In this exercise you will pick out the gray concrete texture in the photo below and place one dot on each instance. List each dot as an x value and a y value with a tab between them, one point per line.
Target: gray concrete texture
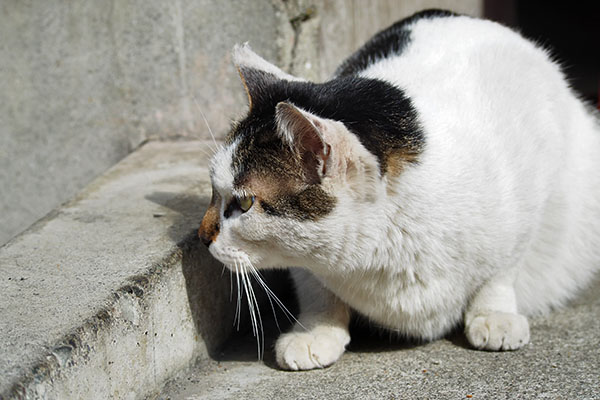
562	362
111	294
85	83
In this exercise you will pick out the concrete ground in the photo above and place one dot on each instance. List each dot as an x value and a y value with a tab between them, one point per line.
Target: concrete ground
112	294
562	362
113	297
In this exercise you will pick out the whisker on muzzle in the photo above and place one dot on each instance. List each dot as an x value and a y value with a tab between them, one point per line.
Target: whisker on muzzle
244	271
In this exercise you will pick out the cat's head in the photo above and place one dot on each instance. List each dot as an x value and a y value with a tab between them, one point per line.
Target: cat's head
283	176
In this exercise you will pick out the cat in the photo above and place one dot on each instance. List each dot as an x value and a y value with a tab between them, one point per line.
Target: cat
446	175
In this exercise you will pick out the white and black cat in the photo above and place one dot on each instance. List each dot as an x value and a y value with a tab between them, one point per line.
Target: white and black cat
446	173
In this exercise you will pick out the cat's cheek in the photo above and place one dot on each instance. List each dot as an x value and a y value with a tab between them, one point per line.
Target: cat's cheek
230	247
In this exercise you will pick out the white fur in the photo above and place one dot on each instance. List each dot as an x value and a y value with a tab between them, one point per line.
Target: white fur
499	219
243	56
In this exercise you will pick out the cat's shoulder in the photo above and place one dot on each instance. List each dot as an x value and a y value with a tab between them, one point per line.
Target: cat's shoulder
390	41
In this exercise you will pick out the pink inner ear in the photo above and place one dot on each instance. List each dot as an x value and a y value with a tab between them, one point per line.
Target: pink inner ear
309	138
306	138
304	131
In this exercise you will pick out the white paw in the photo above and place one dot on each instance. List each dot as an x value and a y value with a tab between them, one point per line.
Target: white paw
317	348
498	331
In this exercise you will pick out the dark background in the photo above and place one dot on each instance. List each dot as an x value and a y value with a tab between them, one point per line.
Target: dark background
571	31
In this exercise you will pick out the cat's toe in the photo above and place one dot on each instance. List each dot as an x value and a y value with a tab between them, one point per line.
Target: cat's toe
309	350
498	331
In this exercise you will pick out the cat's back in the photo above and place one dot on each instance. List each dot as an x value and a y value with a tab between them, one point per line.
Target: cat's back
450	52
510	152
437	41
477	84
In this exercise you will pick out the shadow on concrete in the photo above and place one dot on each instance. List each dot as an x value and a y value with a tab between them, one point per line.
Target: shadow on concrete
242	345
367	337
212	289
184	213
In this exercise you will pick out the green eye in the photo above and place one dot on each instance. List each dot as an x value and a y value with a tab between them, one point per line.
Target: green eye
245	202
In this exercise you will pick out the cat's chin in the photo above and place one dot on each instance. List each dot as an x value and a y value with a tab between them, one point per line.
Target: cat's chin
229	256
235	259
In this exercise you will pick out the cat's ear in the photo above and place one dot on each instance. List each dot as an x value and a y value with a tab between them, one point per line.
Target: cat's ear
302	132
257	73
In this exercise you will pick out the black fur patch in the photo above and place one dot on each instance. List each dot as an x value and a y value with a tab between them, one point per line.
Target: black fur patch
379	114
392	40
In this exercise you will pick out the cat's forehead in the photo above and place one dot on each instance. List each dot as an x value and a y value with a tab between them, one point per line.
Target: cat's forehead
249	166
221	168
240	165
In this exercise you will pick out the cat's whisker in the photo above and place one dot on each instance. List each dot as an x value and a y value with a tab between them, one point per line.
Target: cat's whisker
249	303
239	298
255	317
230	285
271	295
257	278
207	125
261	339
206	153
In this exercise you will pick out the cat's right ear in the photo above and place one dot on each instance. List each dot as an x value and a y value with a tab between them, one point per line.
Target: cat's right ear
302	132
257	74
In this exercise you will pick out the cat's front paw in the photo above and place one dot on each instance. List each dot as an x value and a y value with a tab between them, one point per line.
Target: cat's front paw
498	331
317	348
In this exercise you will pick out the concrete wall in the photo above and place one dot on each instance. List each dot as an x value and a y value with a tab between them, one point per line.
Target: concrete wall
84	83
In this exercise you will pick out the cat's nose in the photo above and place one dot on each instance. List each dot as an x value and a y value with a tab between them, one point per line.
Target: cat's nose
206	239
209	227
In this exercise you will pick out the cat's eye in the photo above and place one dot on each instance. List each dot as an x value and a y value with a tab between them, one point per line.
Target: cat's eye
245	202
238	204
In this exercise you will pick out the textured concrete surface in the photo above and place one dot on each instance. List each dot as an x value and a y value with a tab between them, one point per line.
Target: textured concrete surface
112	293
345	25
83	84
562	362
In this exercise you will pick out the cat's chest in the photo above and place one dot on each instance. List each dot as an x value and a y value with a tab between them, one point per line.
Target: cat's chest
399	298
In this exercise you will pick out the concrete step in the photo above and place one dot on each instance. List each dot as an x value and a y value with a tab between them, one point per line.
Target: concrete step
562	362
112	294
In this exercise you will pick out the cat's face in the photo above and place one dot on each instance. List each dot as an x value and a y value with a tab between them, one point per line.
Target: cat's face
268	179
270	196
281	178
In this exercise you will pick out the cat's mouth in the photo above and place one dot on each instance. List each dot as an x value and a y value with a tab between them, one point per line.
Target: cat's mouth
233	258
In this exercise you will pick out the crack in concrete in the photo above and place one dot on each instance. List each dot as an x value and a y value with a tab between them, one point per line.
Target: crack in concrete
296	18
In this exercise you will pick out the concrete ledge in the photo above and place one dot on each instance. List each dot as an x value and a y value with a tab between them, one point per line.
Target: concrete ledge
111	294
562	362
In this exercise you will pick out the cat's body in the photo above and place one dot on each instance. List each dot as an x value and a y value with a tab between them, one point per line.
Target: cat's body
446	174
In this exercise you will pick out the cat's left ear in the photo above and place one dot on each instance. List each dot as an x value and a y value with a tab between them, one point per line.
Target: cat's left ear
302	131
257	73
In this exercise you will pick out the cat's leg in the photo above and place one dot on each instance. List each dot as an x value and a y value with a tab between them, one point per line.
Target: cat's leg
492	321
321	336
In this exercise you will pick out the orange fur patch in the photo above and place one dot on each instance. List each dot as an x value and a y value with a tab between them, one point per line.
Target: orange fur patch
397	160
209	228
